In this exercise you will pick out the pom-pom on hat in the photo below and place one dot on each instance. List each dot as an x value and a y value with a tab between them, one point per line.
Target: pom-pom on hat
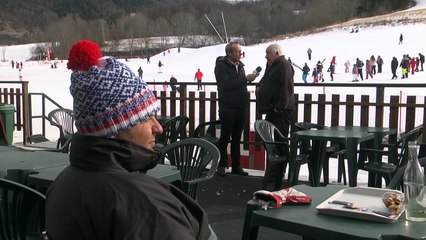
83	55
109	98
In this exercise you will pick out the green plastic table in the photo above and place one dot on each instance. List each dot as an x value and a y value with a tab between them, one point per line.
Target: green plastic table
304	220
351	138
379	134
17	159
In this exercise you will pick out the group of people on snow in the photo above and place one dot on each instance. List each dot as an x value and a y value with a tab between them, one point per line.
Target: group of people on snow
371	66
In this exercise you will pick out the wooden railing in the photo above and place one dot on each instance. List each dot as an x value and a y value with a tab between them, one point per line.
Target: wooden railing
378	109
16	93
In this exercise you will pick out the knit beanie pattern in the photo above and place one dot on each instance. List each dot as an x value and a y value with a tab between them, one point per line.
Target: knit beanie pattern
110	99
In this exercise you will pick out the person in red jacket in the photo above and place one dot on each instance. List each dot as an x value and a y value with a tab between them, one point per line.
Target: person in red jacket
413	64
199	76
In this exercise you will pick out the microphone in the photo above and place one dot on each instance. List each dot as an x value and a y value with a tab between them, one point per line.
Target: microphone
257	71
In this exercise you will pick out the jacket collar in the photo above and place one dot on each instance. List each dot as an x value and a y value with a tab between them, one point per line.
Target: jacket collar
100	153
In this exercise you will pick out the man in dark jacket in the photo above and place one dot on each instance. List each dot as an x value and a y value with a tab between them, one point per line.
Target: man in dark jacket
105	193
233	100
394	66
359	65
275	96
422	60
275	91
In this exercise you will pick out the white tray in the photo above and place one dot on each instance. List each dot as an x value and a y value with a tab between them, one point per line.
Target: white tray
364	197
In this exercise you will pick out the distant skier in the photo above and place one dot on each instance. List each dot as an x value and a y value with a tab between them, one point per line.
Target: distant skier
347	65
405	64
394	66
305	70
140	72
379	64
422	60
332	67
173	84
401	38
373	62
199	77
368	68
309	53
413	64
160	67
359	65
315	75
355	73
319	71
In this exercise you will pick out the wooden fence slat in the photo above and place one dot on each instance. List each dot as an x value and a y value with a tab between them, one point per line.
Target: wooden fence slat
335	107
410	113
380	99
365	108
321	109
307	108
350	106
192	112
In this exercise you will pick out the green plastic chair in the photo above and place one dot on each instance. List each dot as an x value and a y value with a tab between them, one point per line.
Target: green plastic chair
22	212
276	161
63	119
173	130
397	180
209	131
191	156
397	157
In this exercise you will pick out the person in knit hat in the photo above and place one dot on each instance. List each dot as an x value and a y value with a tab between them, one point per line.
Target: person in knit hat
105	193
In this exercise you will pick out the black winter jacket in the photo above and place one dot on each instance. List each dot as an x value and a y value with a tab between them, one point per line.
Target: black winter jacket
231	85
276	88
105	194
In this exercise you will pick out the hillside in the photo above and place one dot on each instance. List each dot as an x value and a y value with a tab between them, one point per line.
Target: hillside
28	21
20	19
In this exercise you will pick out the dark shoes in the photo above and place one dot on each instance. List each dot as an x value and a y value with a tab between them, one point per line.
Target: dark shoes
239	171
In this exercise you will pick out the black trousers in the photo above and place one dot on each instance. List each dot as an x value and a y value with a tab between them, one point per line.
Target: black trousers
200	87
394	76
360	73
232	122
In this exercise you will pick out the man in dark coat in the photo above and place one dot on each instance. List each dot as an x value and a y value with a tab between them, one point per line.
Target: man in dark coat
359	65
275	91
405	63
173	84
422	60
379	64
140	72
394	66
319	71
309	53
275	96
233	101
105	193
305	71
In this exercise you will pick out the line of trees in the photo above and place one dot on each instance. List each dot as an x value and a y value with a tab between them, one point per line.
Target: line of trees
252	20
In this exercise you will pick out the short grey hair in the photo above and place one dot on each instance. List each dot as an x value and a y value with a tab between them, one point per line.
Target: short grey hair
276	48
230	47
